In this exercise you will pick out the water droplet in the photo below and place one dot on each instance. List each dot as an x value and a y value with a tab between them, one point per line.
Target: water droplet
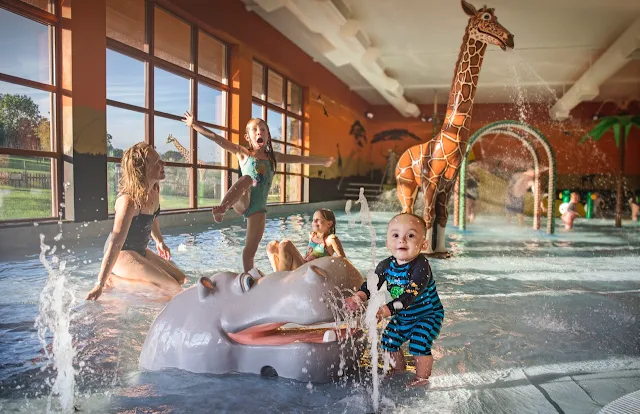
304	370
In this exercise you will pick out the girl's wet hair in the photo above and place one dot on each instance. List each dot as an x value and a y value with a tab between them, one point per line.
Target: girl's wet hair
133	180
269	151
329	216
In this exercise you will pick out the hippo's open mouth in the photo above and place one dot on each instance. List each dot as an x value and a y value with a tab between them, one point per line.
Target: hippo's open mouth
283	334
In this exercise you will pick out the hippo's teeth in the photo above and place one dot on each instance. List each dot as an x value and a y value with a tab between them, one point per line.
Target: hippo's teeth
329	336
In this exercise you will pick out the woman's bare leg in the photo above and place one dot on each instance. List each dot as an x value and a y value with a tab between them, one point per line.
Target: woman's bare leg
133	266
273	252
238	198
167	266
255	230
290	257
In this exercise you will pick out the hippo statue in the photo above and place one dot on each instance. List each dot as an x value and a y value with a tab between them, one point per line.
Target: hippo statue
259	324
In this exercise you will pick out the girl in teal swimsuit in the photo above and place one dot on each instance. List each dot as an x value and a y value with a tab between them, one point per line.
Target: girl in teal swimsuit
248	196
322	242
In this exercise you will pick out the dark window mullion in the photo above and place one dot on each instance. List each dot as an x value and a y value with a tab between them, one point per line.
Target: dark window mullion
194	109
122	105
150	81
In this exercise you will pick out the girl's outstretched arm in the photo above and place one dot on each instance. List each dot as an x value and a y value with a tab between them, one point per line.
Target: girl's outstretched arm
303	159
334	242
224	143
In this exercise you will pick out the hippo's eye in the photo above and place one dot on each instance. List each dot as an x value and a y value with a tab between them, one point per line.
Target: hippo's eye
247	282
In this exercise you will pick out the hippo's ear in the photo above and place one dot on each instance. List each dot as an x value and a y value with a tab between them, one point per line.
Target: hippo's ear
314	274
205	288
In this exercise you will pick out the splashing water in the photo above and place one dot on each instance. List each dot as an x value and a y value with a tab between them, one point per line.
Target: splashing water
56	301
376	299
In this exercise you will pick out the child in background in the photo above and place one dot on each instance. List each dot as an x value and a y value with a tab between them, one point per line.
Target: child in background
571	213
635	208
323	242
248	196
415	309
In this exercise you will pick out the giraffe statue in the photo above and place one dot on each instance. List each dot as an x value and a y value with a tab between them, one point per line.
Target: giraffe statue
434	166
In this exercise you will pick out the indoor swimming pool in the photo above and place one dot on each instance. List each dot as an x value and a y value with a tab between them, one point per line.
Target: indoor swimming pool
534	323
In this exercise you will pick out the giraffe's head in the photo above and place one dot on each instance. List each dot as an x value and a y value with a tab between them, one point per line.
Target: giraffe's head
484	26
170	139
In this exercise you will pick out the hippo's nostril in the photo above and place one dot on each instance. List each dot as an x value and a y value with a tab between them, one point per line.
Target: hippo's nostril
268	371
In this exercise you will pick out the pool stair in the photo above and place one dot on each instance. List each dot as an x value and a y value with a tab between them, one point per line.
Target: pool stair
371	190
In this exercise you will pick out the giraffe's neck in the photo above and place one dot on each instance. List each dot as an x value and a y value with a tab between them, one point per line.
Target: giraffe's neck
457	124
182	150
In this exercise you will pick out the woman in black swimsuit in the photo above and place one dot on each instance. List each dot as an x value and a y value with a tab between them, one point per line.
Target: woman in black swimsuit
126	255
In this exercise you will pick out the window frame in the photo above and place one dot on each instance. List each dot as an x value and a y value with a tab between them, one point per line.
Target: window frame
266	106
151	61
52	20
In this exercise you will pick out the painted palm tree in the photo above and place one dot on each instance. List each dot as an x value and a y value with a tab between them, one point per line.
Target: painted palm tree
621	125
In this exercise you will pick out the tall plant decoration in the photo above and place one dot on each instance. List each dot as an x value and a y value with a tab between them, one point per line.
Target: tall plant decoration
621	126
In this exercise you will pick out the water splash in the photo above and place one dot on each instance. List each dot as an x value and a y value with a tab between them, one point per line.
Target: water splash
54	319
376	299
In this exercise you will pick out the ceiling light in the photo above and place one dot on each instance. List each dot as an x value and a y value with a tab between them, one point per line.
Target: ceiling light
369	114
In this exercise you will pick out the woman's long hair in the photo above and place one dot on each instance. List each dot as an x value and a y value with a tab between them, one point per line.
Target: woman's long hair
269	151
133	181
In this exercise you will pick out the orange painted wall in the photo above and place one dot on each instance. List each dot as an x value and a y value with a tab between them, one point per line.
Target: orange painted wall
571	158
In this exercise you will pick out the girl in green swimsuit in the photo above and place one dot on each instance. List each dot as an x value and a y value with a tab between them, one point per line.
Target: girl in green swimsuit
322	242
248	196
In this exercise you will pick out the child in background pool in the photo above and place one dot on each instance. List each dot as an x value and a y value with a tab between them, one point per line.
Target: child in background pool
572	211
323	242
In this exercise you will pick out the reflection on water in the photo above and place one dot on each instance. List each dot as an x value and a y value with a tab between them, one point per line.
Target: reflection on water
523	308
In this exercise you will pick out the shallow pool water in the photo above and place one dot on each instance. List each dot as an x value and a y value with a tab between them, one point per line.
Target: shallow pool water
534	323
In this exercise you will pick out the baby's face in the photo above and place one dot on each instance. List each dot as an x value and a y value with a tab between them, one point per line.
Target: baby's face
405	238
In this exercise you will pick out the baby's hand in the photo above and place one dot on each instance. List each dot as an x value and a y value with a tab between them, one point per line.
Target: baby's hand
383	312
353	303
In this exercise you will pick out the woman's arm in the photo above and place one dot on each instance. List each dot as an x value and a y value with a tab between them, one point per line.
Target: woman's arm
224	143
336	246
304	159
125	211
163	249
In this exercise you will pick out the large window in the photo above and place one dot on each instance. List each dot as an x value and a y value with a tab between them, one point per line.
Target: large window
278	101
29	95
158	67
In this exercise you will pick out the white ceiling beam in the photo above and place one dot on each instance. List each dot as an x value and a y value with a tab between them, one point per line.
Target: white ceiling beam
350	46
611	61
